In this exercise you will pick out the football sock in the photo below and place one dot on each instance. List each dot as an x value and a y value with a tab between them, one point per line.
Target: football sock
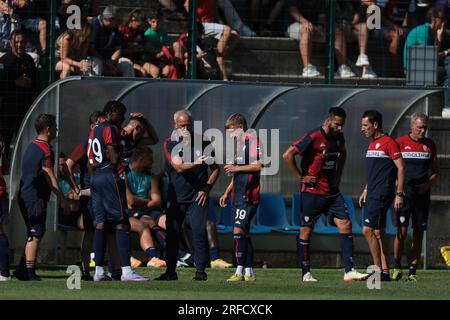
398	263
31	268
99	270
123	246
303	255
240	248
249	272
151	253
239	270
346	240
250	254
412	269
4	256
160	235
214	253
99	247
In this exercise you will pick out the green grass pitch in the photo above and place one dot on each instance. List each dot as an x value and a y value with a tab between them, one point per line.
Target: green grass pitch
271	284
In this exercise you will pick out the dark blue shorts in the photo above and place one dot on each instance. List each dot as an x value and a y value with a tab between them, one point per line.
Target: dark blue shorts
109	201
86	212
375	211
415	208
242	214
154	214
34	214
313	205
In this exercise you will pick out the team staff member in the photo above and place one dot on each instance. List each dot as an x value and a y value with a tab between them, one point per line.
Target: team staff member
384	166
420	156
189	187
244	188
323	157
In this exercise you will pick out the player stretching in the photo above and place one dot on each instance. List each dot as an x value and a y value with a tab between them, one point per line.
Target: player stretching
384	165
108	192
244	189
323	157
419	154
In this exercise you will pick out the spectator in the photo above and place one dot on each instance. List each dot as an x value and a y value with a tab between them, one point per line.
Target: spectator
233	19
444	5
175	12
207	13
396	19
306	27
159	52
107	42
28	19
354	28
256	8
7	25
134	43
19	82
431	33
72	49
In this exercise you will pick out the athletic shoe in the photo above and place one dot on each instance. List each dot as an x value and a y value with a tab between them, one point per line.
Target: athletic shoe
133	276
34	277
156	263
446	113
200	276
167	277
2	278
135	263
411	278
397	274
354	275
363	61
310	71
246	31
386	277
308	277
250	278
235	277
103	277
345	72
220	264
21	274
181	264
368	73
87	277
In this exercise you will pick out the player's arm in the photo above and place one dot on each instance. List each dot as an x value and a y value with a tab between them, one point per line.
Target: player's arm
132	201
203	194
363	197
289	158
255	166
69	165
152	137
433	174
223	199
113	155
53	183
155	201
400	164
341	162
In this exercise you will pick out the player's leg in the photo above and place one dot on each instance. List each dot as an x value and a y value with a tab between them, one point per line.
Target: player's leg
198	216
384	250
175	215
146	242
213	242
4	248
341	218
402	222
88	236
249	274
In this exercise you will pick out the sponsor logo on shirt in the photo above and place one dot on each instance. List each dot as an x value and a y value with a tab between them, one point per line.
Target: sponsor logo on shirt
416	155
376	154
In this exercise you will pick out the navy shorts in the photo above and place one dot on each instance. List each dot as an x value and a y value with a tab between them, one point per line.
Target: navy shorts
313	205
152	213
243	214
416	209
34	214
375	211
109	201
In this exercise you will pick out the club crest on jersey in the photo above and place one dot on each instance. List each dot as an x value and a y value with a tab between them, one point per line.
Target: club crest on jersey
322	145
425	148
407	148
377	146
402	219
306	219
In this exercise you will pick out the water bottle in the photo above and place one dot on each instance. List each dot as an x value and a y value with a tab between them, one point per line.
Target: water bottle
87	72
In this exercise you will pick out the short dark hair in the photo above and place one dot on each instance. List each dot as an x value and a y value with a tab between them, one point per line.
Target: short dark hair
142	152
114	106
236	119
434	13
16	33
374	116
336	112
44	121
93	118
142	121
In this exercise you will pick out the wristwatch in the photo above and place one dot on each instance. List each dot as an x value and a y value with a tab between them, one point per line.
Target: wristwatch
400	194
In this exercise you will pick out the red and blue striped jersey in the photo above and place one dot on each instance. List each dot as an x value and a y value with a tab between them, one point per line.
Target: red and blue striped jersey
381	169
246	185
104	134
320	153
33	183
418	156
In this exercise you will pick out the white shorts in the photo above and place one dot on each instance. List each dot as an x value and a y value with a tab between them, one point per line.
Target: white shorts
215	30
293	32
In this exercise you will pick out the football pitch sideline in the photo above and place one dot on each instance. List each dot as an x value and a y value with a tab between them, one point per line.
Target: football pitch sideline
271	284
